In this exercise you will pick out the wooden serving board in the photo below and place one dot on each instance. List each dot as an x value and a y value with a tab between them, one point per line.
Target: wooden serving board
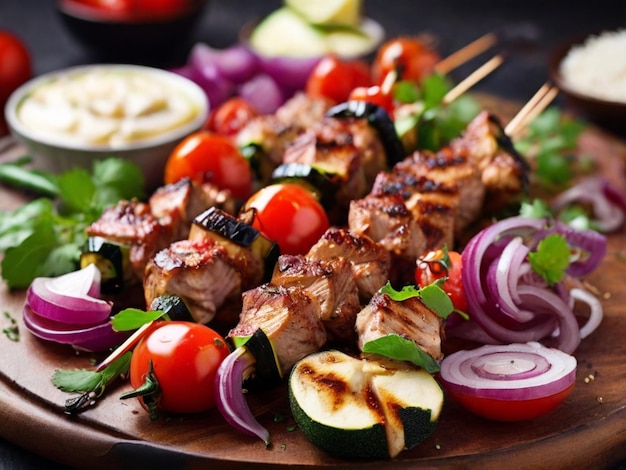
588	429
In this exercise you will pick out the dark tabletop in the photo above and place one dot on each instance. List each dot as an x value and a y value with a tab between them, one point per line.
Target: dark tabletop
533	29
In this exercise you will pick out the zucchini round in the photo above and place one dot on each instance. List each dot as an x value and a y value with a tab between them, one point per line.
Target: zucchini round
363	408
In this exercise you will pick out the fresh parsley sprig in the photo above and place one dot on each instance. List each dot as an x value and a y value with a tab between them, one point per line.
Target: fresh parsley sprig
45	236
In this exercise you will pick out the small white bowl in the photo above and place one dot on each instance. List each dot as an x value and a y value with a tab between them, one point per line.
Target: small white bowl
150	154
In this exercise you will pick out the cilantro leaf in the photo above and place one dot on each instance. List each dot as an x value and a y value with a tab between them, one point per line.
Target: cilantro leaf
538	209
396	347
551	258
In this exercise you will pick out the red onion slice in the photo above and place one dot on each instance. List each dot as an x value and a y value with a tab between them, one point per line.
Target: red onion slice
509	372
96	338
70	298
237	63
229	394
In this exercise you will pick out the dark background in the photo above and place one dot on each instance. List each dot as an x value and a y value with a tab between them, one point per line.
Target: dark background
542	25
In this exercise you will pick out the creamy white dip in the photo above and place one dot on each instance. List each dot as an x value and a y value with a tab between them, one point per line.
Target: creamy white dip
106	106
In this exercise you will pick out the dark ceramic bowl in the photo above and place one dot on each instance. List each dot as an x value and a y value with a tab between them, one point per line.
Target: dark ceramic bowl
116	36
610	115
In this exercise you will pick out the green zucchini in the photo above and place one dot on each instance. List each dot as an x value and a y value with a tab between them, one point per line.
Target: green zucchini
240	239
267	370
363	408
322	184
113	261
173	306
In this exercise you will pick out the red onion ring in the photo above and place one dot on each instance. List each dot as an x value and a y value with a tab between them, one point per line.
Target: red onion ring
509	372
71	298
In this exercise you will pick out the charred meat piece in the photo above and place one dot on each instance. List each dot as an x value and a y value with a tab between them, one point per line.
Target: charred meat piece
199	272
432	204
303	111
348	148
387	220
370	261
289	317
179	203
504	171
132	223
410	319
446	172
332	283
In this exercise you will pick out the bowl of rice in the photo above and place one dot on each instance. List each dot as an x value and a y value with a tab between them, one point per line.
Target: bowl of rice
591	73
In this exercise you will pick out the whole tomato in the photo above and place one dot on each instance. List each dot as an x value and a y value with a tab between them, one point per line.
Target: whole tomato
178	362
231	116
334	78
410	56
289	215
15	69
446	264
205	156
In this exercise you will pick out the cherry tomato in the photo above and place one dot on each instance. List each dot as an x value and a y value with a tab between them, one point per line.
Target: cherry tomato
334	79
443	264
231	116
409	55
289	215
183	358
15	69
510	410
376	95
205	156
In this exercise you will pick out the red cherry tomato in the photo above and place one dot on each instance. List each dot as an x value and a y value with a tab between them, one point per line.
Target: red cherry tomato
15	69
185	357
334	78
510	410
231	116
443	264
376	95
289	215
205	156
410	56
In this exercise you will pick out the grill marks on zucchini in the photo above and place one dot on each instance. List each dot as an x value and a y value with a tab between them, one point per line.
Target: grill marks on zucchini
363	408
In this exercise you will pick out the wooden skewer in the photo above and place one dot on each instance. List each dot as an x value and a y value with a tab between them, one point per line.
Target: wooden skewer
538	103
466	53
125	346
478	74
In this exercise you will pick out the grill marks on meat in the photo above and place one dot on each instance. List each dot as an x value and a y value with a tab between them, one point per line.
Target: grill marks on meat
150	227
370	261
503	171
289	317
332	283
132	223
199	272
410	319
347	148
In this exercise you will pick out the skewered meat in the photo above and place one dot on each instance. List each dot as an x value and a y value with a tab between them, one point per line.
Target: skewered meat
504	172
332	283
179	203
199	272
448	172
302	110
132	223
409	318
289	317
369	260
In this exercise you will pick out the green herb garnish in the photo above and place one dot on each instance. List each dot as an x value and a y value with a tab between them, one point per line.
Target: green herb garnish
45	236
432	295
396	347
551	258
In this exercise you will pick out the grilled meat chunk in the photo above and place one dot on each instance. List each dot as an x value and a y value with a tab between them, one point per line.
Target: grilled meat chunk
303	111
447	172
332	283
289	317
410	319
179	203
369	260
132	223
504	172
387	220
199	272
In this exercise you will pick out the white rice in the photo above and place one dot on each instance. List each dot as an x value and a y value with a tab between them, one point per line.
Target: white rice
597	67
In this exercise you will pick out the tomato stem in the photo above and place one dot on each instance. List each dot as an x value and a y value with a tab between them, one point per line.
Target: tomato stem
148	392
